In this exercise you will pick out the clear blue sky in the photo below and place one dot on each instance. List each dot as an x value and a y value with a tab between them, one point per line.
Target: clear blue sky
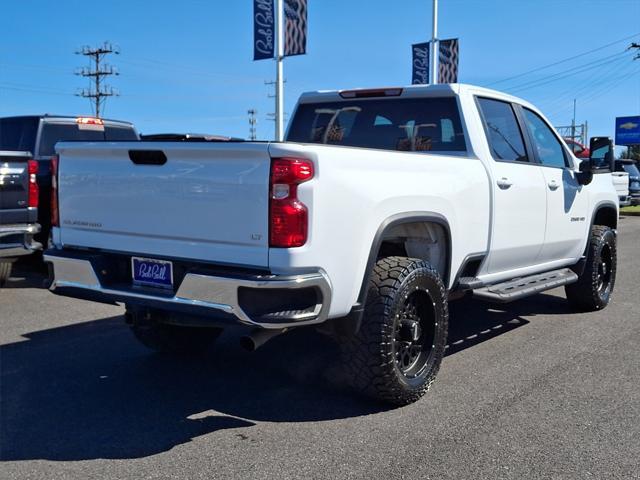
187	66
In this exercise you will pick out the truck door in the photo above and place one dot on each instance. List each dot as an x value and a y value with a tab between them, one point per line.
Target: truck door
567	202
519	197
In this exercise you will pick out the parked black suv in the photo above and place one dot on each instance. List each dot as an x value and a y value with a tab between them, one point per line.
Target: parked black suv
38	134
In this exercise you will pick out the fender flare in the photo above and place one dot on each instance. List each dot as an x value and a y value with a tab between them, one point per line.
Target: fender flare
578	268
393	221
350	324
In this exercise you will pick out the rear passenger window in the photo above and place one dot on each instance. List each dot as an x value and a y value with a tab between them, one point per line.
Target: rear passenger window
503	133
547	145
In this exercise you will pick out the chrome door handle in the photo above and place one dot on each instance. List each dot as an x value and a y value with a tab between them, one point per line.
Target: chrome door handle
553	185
504	183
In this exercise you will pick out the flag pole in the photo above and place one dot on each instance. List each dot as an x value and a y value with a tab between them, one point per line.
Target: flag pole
279	80
433	57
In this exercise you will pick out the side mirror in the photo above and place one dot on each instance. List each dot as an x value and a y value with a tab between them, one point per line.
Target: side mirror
585	175
601	158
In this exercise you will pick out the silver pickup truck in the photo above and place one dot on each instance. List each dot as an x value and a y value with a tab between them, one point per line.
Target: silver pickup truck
18	209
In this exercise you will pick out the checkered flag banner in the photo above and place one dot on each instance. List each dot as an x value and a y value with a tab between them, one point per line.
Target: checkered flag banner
448	61
295	28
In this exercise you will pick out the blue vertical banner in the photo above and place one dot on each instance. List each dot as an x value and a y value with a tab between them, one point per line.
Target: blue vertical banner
420	56
295	27
264	32
448	61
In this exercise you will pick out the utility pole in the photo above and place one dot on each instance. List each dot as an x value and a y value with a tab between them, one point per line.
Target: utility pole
252	123
433	58
573	122
279	72
97	72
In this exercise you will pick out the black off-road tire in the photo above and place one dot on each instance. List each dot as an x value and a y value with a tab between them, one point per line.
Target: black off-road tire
149	329
595	285
377	359
5	272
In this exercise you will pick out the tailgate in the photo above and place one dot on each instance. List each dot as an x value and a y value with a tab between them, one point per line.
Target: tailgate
14	188
621	182
207	202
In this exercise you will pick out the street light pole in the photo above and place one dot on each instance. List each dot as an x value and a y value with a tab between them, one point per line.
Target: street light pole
433	57
279	74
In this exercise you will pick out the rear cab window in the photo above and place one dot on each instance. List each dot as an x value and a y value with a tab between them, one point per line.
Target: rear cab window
54	132
401	124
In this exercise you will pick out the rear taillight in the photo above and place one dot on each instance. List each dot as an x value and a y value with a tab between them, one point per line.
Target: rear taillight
288	216
55	217
32	168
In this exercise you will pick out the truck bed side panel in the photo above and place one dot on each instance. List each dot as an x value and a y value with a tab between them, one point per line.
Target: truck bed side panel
355	190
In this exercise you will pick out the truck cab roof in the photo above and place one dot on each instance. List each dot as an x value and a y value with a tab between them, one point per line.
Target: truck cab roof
409	91
63	118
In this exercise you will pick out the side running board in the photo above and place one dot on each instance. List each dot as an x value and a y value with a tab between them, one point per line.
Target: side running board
523	287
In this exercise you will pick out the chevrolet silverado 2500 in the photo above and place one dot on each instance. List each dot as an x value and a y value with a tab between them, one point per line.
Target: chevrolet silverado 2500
380	207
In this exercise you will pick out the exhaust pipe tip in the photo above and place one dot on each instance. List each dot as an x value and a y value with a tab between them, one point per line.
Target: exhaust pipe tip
259	337
247	343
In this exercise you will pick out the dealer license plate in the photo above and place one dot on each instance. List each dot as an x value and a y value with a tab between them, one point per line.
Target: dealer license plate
152	273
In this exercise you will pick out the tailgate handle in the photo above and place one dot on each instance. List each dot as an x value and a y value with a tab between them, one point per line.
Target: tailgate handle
148	157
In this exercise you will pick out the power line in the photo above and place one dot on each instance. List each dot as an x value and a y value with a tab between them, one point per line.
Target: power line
144	64
41	67
577	91
605	87
594	88
565	60
100	92
34	90
568	73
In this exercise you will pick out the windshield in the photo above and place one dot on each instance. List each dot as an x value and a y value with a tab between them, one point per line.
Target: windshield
424	124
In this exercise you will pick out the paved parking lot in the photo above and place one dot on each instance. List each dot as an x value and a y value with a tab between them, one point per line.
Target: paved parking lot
528	390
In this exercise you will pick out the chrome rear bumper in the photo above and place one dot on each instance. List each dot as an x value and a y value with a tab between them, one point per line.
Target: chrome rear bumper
77	278
17	240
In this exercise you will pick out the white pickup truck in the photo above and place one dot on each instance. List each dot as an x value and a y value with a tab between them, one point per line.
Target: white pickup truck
381	206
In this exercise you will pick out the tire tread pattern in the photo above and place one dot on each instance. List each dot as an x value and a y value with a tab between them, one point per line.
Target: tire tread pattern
367	357
583	294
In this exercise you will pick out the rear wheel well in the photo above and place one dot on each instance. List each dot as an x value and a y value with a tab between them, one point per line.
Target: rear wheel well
427	241
607	216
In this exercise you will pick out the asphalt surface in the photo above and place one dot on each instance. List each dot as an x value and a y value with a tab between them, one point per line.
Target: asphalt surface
528	390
